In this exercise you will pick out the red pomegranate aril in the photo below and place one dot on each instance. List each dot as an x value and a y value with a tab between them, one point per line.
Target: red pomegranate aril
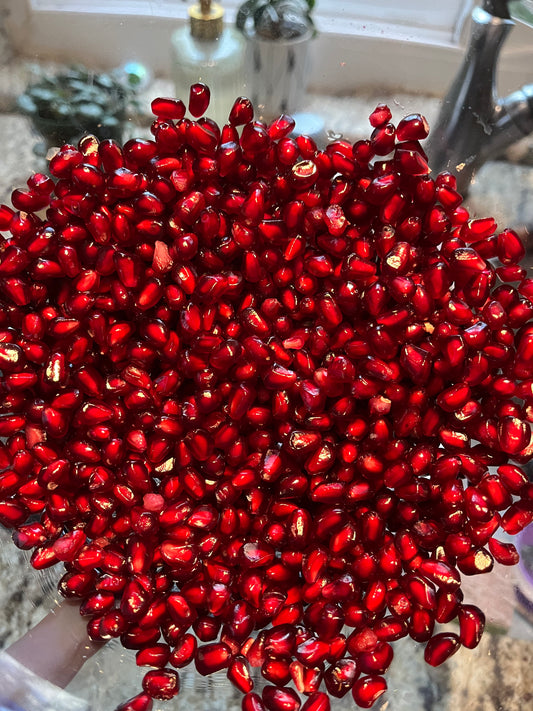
165	416
306	679
168	108
377	661
156	656
255	650
389	629
375	599
421	624
179	610
136	637
239	674
280	127
252	702
6	215
513	435
276	671
280	641
161	684
471	625
513	478
206	628
441	647
517	517
210	658
380	116
318	701
29	535
108	626
440	573
312	651
76	584
510	249
242	112
504	553
140	702
184	651
367	690
421	592
66	547
340	677
447	605
199	97
412	128
382	139
277	699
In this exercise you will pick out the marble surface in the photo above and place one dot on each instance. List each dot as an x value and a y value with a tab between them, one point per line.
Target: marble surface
497	676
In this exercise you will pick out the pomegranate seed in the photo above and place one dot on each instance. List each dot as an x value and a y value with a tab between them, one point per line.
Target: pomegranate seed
510	249
252	702
168	108
318	701
378	660
184	651
367	690
380	116
239	674
471	625
412	128
237	418
156	656
199	97
421	625
277	699
141	702
161	684
382	139
276	671
504	553
242	112
340	677
210	658
517	517
441	647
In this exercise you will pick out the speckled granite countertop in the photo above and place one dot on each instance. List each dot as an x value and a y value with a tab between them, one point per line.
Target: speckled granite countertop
497	676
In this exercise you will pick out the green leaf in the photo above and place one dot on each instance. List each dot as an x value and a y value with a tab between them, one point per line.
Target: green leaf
105	81
79	95
110	121
91	112
78	85
26	104
61	109
41	95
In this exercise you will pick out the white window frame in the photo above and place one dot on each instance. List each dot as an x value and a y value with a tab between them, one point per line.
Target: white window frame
355	49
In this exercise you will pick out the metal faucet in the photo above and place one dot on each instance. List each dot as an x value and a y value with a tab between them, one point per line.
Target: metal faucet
474	123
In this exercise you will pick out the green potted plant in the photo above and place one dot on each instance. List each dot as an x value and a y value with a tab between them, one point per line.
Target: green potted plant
76	101
278	34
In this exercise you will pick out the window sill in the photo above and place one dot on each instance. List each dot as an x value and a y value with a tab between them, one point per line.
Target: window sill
348	55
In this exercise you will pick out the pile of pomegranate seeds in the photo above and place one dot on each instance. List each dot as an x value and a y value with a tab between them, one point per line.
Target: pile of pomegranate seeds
266	403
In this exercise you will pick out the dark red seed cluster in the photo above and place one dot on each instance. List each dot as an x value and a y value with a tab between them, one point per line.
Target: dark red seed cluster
266	403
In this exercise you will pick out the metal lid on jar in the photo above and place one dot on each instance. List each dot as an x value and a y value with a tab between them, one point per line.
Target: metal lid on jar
206	19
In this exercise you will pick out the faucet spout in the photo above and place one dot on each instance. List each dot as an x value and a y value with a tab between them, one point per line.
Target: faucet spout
512	121
471	111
